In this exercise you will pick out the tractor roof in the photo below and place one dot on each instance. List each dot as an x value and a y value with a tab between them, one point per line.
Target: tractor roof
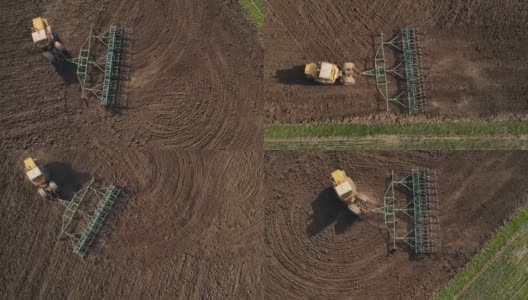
39	36
343	189
33	173
326	71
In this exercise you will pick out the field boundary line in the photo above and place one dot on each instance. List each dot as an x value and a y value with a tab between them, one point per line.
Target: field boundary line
258	9
418	129
489	263
488	254
254	12
399	142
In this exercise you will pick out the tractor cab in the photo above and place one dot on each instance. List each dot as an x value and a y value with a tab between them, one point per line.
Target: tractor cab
322	72
34	173
41	32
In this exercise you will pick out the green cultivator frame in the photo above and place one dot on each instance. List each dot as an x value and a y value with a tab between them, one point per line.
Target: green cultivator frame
422	210
104	86
412	91
93	215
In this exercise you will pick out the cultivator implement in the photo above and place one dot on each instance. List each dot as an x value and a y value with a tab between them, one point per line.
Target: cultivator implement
105	85
81	205
413	93
425	204
422	210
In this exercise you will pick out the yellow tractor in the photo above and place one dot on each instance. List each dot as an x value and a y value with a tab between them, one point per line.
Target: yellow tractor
44	38
346	190
47	189
329	73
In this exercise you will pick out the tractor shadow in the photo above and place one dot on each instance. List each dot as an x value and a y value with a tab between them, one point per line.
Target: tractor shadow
327	210
293	76
69	180
67	71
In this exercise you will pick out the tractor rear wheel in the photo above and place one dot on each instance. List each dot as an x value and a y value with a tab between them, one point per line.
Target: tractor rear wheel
355	209
55	36
59	45
51	58
349	66
349	71
348	80
364	198
43	193
53	186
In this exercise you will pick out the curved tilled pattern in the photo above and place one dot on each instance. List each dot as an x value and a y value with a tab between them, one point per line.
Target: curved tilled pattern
193	78
317	250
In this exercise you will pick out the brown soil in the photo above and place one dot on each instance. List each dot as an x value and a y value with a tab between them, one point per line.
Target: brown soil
317	250
188	225
213	225
475	51
194	71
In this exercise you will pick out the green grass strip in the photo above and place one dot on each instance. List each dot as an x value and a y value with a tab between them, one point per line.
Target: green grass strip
364	130
255	11
506	277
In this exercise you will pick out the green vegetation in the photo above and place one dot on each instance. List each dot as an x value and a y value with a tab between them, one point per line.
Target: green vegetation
500	271
255	11
450	136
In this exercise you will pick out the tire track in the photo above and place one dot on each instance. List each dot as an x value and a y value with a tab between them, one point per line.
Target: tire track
478	35
317	251
194	78
188	217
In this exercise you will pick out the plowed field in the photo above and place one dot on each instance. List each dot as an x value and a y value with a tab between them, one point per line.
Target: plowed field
193	68
474	52
212	225
188	225
318	250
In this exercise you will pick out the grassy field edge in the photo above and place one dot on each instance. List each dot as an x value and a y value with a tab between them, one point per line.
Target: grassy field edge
255	11
492	248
